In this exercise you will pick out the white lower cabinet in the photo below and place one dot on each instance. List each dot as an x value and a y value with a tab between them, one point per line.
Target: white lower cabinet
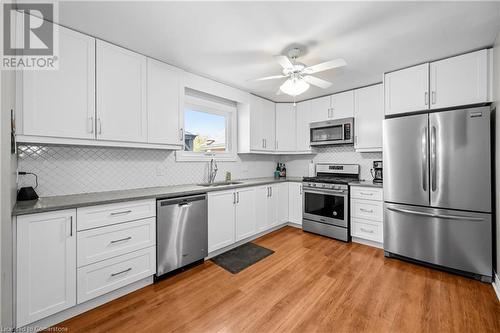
108	275
46	264
244	213
282	202
267	207
367	217
295	203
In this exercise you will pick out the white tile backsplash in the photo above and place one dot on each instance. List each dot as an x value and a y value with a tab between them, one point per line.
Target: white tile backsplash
66	170
298	165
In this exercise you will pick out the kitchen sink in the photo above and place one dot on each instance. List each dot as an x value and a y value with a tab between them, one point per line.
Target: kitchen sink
218	184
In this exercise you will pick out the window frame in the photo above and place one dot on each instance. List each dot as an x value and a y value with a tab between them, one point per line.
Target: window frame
229	112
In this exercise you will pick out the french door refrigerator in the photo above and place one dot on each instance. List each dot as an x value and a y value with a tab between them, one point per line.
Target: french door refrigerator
437	190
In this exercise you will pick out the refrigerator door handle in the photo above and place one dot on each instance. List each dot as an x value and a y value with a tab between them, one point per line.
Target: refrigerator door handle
441	216
433	159
424	159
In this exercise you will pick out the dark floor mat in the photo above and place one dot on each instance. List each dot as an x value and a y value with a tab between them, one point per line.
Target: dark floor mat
241	257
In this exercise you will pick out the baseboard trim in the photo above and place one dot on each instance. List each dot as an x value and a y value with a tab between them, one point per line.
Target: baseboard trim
295	225
496	285
367	242
84	307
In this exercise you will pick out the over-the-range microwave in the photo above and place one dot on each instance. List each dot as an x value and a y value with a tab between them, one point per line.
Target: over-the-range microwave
332	132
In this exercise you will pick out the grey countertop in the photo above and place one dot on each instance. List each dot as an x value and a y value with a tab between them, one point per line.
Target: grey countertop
48	204
367	183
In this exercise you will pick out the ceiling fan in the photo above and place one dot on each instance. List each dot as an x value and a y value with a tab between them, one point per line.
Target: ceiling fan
298	75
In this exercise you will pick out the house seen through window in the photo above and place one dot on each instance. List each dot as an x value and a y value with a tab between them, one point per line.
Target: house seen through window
205	132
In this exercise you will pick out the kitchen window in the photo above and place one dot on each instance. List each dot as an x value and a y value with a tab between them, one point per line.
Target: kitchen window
209	130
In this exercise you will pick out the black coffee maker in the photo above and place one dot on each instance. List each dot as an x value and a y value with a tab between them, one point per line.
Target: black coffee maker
377	171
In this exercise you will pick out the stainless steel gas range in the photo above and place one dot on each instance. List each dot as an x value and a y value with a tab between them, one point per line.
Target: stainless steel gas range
326	200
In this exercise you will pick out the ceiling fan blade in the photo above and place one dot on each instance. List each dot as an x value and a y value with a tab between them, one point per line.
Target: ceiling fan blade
284	61
324	66
273	77
315	81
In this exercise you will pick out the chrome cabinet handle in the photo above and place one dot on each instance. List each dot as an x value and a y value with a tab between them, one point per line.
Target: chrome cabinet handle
90	124
234	198
271	191
121	272
424	159
121	240
181	134
426	98
364	193
441	216
300	189
433	96
120	213
71	226
433	159
237	197
99	127
366	230
366	210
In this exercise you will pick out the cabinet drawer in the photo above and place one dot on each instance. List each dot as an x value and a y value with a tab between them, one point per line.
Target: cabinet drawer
367	230
99	216
369	193
105	276
103	243
367	209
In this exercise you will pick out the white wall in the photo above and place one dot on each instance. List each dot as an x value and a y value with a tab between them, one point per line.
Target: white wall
7	195
496	96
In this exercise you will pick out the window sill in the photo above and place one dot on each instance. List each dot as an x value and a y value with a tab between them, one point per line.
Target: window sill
183	156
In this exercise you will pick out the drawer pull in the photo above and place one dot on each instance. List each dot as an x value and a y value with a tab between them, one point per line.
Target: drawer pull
366	210
366	230
124	271
121	240
122	212
364	193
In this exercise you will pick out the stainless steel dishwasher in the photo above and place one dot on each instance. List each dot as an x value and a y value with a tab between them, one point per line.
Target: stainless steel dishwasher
181	232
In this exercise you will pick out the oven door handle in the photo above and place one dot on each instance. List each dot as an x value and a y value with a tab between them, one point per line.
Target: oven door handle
308	190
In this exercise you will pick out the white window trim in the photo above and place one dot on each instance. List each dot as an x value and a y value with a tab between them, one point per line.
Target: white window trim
231	135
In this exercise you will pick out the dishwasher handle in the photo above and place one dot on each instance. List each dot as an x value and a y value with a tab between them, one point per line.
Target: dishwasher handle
181	200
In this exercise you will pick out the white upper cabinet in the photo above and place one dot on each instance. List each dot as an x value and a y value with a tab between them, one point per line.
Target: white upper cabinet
303	116
60	103
285	127
460	80
121	94
407	90
342	105
369	116
262	124
163	103
46	264
320	109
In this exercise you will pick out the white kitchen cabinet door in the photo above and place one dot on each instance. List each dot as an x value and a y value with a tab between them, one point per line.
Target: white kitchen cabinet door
303	113
295	202
269	125
121	94
261	198
245	215
342	105
46	264
285	127
369	116
460	80
220	219
272	206
256	119
320	109
163	106
407	90
282	193
60	103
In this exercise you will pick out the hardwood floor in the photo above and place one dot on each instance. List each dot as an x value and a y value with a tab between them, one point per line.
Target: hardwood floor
310	283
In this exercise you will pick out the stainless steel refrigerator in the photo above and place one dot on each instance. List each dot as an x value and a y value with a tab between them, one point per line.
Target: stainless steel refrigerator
437	190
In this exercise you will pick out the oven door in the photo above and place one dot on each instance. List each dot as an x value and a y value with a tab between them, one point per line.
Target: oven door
326	206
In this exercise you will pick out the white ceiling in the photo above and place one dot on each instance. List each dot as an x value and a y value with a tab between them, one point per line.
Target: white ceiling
234	42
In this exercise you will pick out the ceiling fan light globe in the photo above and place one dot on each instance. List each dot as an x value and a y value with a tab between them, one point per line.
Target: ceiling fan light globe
294	86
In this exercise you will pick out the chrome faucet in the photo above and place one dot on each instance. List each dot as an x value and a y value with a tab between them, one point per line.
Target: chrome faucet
212	170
